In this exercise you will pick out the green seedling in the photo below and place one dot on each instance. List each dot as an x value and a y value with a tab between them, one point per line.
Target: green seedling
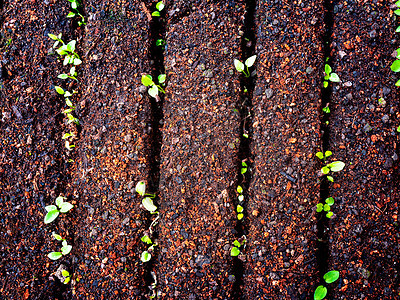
147	80
326	207
72	74
329	76
160	43
76	7
335	166
159	6
67	50
245	135
323	156
395	67
239	189
66	275
237	244
243	170
65	249
398	129
53	211
239	210
321	290
244	67
326	109
397	12
148	204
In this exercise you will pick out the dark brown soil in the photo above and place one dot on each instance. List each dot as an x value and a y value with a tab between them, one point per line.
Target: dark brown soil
188	147
364	236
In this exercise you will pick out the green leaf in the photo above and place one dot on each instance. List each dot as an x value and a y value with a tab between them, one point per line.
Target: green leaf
65	273
69	103
66	60
330	201
398	3
55	44
147	80
395	67
141	188
243	170
235	251
398	129
240	216
328	69
59	90
327	207
241	198
66	207
238	65
325	170
67	94
66	249
329	214
74	5
328	153
71	15
320	155
398	29
397	83
54	255
57	237
59	201
326	110
239	189
145	257
334	77
326	84
336	166
330	178
71	46
237	244
51	216
153	91
67	280
319	207
161	78
72	71
155	14
331	276
160	42
52	36
250	61
148	204
63	76
239	208
160	6
146	239
77	61
49	208
320	293
397	12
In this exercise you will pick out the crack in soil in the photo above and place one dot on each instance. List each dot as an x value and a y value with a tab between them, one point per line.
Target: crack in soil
156	57
322	223
248	43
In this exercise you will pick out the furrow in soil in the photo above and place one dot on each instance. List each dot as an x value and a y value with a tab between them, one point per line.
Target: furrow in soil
32	153
199	152
113	152
281	244
364	235
244	168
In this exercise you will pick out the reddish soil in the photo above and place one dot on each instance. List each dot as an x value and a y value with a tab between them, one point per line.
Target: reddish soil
281	251
188	148
364	236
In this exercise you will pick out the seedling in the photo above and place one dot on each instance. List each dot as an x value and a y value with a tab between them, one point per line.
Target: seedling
395	67
239	189
66	275
244	68
147	80
148	204
397	12
53	211
76	7
159	6
243	170
321	290
65	249
329	76
67	50
335	166
326	109
323	156
237	244
160	43
398	129
326	207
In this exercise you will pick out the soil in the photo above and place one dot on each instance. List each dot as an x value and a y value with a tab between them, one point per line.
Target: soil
188	146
